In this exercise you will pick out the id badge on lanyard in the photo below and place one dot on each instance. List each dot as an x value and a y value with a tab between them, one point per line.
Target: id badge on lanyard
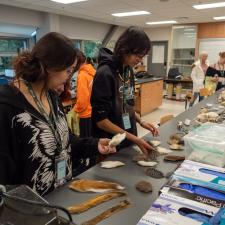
223	81
60	170
126	121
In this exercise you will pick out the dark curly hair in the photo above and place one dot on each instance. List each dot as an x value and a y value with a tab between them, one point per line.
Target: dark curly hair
133	41
53	51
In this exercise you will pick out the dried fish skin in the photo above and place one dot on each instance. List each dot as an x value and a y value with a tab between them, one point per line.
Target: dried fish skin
163	151
155	143
176	139
97	186
140	157
152	155
109	212
176	147
111	164
144	186
174	158
147	163
97	200
117	139
204	110
152	172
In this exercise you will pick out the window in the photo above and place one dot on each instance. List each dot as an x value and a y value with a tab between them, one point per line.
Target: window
9	48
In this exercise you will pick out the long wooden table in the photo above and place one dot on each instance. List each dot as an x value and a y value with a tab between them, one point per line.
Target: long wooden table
127	176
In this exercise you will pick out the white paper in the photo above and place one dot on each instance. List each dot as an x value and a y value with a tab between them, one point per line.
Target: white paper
158	54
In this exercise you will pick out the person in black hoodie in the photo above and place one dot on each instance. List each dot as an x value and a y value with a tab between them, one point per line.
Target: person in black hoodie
36	147
112	96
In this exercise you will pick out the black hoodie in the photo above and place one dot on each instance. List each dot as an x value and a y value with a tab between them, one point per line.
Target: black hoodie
27	144
107	94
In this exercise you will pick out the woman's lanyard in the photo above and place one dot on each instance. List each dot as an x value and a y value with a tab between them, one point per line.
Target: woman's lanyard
51	122
125	78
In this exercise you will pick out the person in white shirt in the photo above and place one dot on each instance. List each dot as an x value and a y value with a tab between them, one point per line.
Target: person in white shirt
198	76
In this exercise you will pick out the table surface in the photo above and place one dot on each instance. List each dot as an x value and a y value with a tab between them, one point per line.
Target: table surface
127	176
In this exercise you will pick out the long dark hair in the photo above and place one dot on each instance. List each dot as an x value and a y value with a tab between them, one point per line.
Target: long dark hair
133	41
53	51
81	58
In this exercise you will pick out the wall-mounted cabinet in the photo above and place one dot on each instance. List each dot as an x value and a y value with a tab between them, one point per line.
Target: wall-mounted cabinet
183	48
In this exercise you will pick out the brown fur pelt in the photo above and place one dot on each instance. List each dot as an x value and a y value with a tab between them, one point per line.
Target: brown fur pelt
85	185
109	212
97	200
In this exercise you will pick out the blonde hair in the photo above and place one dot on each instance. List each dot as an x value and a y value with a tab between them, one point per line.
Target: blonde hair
222	54
201	54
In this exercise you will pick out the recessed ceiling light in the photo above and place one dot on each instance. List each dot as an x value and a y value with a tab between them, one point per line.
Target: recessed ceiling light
134	13
210	5
162	22
219	18
68	1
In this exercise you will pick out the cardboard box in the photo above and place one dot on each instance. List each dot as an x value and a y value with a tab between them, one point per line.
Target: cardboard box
166	211
202	174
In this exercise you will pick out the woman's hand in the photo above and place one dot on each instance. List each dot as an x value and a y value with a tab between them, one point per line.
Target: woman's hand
104	148
151	128
143	145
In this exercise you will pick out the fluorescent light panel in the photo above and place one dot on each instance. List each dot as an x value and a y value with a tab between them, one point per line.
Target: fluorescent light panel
162	22
189	33
210	5
219	18
33	33
134	13
189	29
178	27
68	1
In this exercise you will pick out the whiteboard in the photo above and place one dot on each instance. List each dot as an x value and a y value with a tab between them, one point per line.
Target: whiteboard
158	54
213	47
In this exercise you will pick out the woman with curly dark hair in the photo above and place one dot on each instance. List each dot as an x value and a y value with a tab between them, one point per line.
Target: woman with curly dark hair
36	147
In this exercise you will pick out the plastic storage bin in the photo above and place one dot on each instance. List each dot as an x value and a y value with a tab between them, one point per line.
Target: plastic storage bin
206	144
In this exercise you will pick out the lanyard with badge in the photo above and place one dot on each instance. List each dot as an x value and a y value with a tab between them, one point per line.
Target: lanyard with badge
125	116
60	160
222	75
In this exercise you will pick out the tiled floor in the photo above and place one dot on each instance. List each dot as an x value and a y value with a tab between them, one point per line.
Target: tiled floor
168	107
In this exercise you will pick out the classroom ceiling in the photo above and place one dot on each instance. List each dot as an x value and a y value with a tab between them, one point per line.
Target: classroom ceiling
101	10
